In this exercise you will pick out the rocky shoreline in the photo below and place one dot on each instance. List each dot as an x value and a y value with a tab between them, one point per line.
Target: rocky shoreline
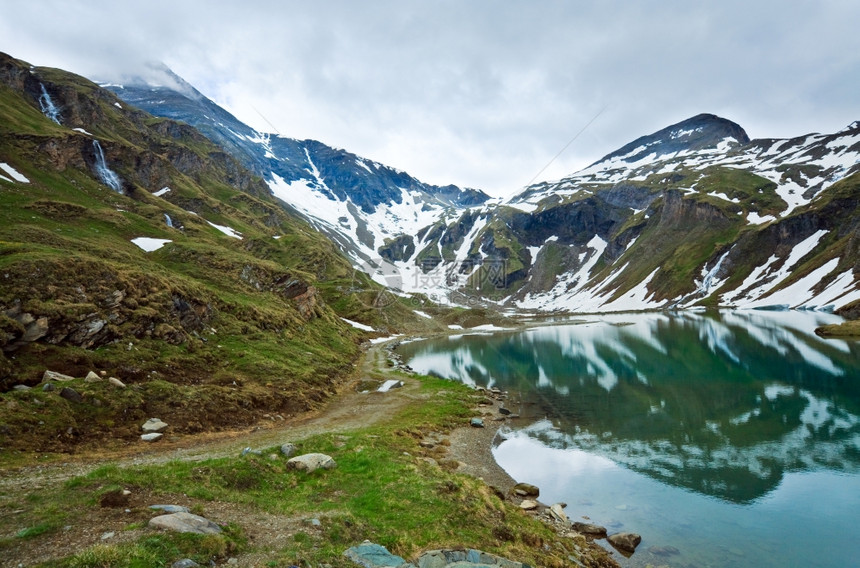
471	448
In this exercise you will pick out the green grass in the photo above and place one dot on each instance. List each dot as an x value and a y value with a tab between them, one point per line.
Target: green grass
382	489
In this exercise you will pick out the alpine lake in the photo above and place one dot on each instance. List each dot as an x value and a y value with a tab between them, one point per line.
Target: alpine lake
726	438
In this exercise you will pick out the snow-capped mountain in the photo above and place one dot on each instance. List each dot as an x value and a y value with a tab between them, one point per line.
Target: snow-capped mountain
684	216
694	214
359	203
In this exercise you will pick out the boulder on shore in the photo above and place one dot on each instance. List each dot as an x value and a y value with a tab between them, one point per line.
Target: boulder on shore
625	542
372	555
589	529
526	490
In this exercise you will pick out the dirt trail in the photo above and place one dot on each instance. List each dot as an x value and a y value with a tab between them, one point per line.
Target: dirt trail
347	410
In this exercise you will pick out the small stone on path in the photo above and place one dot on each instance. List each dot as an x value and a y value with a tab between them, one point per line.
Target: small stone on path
184	563
151	437
476	423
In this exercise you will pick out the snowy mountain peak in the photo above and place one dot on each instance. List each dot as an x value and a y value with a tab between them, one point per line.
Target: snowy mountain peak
696	133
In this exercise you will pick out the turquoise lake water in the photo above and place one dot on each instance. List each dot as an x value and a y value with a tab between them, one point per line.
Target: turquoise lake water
724	439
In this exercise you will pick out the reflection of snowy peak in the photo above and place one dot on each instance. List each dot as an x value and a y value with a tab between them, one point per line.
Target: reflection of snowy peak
694	214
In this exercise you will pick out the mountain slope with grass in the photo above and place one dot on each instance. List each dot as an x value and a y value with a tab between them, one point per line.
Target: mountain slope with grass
133	247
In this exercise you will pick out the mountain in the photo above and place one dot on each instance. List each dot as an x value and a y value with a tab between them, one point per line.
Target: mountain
132	246
695	214
359	203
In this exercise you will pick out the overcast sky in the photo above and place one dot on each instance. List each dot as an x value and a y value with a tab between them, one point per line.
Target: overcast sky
477	93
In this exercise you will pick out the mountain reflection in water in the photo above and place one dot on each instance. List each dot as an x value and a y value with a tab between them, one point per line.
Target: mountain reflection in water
720	403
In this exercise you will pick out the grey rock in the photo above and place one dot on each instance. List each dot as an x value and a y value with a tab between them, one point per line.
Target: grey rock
71	395
557	511
526	490
372	555
468	558
169	508
289	449
432	559
151	437
248	450
92	378
589	529
529	504
503	410
116	382
184	563
55	376
21	388
476	423
34	330
108	535
154	425
625	542
311	462
49	387
185	523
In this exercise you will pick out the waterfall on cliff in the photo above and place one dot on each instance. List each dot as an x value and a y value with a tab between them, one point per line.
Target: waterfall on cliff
48	107
168	220
107	175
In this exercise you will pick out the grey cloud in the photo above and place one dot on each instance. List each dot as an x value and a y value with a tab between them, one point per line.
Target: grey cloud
477	93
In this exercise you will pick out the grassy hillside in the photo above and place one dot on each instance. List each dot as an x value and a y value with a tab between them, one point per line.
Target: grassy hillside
208	331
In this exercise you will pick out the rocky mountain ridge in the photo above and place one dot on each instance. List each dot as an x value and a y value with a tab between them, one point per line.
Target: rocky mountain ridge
693	214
